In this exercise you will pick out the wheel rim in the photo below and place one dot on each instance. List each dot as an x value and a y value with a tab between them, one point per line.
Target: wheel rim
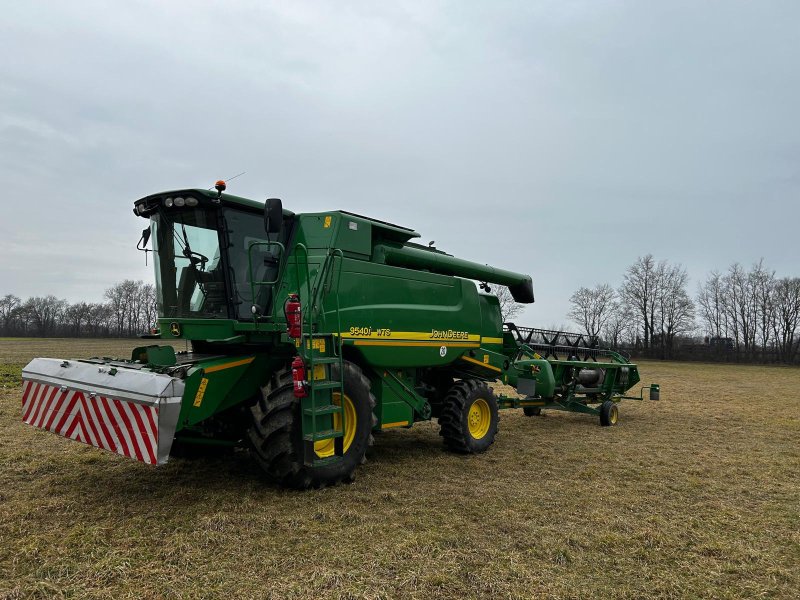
479	418
325	448
612	417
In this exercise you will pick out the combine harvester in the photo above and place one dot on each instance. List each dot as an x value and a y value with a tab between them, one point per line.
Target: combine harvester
308	333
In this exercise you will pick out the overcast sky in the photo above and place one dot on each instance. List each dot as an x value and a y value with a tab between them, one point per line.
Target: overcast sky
562	139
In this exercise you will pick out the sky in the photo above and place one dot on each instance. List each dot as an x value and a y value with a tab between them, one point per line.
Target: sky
557	138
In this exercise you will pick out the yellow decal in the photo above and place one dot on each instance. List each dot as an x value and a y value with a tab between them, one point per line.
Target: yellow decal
414	344
477	362
327	222
491	340
319	344
395	424
229	365
486	359
434	336
201	391
449	334
319	372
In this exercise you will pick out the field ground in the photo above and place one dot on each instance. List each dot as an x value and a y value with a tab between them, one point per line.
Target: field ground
694	496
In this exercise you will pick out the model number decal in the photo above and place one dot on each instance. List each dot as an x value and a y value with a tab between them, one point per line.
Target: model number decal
449	334
369	332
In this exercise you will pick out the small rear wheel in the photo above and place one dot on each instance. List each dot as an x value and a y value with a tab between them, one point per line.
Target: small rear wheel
609	413
532	411
469	417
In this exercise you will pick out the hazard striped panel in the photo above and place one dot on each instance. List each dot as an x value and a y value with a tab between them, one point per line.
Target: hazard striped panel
124	427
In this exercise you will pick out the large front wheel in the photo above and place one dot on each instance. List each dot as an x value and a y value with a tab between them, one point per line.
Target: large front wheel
276	434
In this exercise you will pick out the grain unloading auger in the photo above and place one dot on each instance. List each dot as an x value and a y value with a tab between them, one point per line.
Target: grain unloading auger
308	333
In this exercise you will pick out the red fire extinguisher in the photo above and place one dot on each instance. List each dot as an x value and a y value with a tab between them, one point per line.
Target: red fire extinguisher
299	377
294	317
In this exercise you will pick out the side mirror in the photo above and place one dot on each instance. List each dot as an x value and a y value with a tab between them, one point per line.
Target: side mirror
273	215
144	239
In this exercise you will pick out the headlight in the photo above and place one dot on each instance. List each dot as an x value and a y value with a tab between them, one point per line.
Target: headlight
191	202
179	201
168	202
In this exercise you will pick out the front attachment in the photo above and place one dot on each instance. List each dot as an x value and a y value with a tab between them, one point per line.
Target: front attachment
129	411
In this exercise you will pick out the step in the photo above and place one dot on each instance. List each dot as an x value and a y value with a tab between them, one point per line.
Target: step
326	384
329	409
324	434
326	462
325	360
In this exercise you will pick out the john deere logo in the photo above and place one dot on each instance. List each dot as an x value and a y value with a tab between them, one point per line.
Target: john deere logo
175	329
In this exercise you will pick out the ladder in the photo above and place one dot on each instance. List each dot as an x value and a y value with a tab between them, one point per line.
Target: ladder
322	418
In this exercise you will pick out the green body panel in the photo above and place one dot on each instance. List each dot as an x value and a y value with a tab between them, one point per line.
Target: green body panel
215	385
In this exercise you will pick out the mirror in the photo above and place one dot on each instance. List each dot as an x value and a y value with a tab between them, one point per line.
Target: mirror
273	215
143	240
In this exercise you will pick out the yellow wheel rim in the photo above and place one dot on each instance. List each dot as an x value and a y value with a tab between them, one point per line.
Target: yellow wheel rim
324	448
479	418
614	413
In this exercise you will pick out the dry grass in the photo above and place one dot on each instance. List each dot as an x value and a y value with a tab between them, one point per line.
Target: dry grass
695	496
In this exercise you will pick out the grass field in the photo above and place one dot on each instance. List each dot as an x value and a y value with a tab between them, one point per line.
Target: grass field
694	496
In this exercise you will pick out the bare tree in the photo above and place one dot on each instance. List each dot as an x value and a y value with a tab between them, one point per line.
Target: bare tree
639	291
45	312
77	316
620	324
675	309
9	305
786	325
101	319
591	308
711	302
762	282
509	308
148	304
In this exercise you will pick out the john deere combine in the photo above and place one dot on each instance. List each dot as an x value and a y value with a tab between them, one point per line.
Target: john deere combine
309	332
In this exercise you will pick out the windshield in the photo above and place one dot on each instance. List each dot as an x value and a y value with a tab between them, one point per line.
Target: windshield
191	280
189	274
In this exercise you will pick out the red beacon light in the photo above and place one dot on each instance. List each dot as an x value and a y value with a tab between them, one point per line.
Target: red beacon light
294	317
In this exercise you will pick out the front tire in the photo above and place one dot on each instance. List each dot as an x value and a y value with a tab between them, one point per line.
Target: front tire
532	411
469	417
276	433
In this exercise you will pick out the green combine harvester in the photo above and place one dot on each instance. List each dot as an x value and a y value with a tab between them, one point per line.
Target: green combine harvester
309	332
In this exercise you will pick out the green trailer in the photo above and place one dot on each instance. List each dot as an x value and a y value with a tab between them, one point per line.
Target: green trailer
307	333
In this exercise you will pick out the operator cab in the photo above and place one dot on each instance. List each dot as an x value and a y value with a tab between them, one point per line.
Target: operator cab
212	250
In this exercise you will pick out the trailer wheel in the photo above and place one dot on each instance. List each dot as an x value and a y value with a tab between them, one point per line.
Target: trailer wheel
609	413
531	411
275	433
469	417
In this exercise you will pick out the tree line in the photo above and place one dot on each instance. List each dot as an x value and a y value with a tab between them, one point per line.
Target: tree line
129	308
743	314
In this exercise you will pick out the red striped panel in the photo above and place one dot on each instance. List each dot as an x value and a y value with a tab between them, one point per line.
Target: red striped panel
123	427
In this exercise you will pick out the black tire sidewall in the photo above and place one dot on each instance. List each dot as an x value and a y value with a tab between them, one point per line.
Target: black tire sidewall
481	391
361	399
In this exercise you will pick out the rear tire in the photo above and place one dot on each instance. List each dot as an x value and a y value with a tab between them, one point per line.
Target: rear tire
276	434
469	417
609	414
